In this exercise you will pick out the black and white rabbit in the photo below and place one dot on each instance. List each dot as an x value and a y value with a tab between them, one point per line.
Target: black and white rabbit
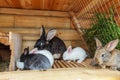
50	42
41	60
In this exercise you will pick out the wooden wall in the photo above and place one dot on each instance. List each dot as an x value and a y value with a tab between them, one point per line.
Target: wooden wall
84	9
28	16
29	25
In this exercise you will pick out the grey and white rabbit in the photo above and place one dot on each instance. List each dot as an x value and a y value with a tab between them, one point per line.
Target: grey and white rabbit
107	55
43	60
50	42
74	54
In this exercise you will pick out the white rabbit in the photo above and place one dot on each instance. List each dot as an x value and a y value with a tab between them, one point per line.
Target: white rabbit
75	54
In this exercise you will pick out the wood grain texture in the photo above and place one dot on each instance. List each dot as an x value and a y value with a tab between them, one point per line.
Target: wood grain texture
6	21
33	21
63	69
64	74
33	12
34	34
15	42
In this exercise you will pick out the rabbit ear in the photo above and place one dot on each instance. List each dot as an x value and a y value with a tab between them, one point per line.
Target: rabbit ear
33	51
51	34
26	51
111	45
69	49
98	43
42	32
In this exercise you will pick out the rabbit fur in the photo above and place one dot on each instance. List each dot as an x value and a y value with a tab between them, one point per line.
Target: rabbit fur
107	55
74	54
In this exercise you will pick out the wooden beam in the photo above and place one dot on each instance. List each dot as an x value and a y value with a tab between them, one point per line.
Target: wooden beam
6	21
15	42
4	40
33	34
33	21
92	4
76	23
33	12
79	28
63	73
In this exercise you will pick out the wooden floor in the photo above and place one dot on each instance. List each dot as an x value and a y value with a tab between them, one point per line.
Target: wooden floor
65	71
65	64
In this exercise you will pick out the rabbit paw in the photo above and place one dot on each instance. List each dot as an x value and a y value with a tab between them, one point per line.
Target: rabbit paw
20	65
79	61
68	61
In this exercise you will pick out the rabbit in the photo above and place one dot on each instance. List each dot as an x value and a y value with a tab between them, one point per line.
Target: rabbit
43	60
43	52
51	43
74	54
107	55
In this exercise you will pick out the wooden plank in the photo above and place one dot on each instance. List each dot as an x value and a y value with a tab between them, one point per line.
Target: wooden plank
33	12
37	4
15	42
51	4
6	21
64	73
67	4
3	34
16	3
63	37
33	34
46	4
76	23
4	40
32	21
55	4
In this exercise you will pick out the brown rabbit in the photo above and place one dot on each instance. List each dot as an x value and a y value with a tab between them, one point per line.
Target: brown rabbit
107	55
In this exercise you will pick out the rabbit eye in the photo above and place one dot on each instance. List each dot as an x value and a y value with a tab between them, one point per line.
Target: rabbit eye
47	42
41	43
103	55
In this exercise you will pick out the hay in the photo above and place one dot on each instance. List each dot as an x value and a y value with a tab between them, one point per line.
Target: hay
4	66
